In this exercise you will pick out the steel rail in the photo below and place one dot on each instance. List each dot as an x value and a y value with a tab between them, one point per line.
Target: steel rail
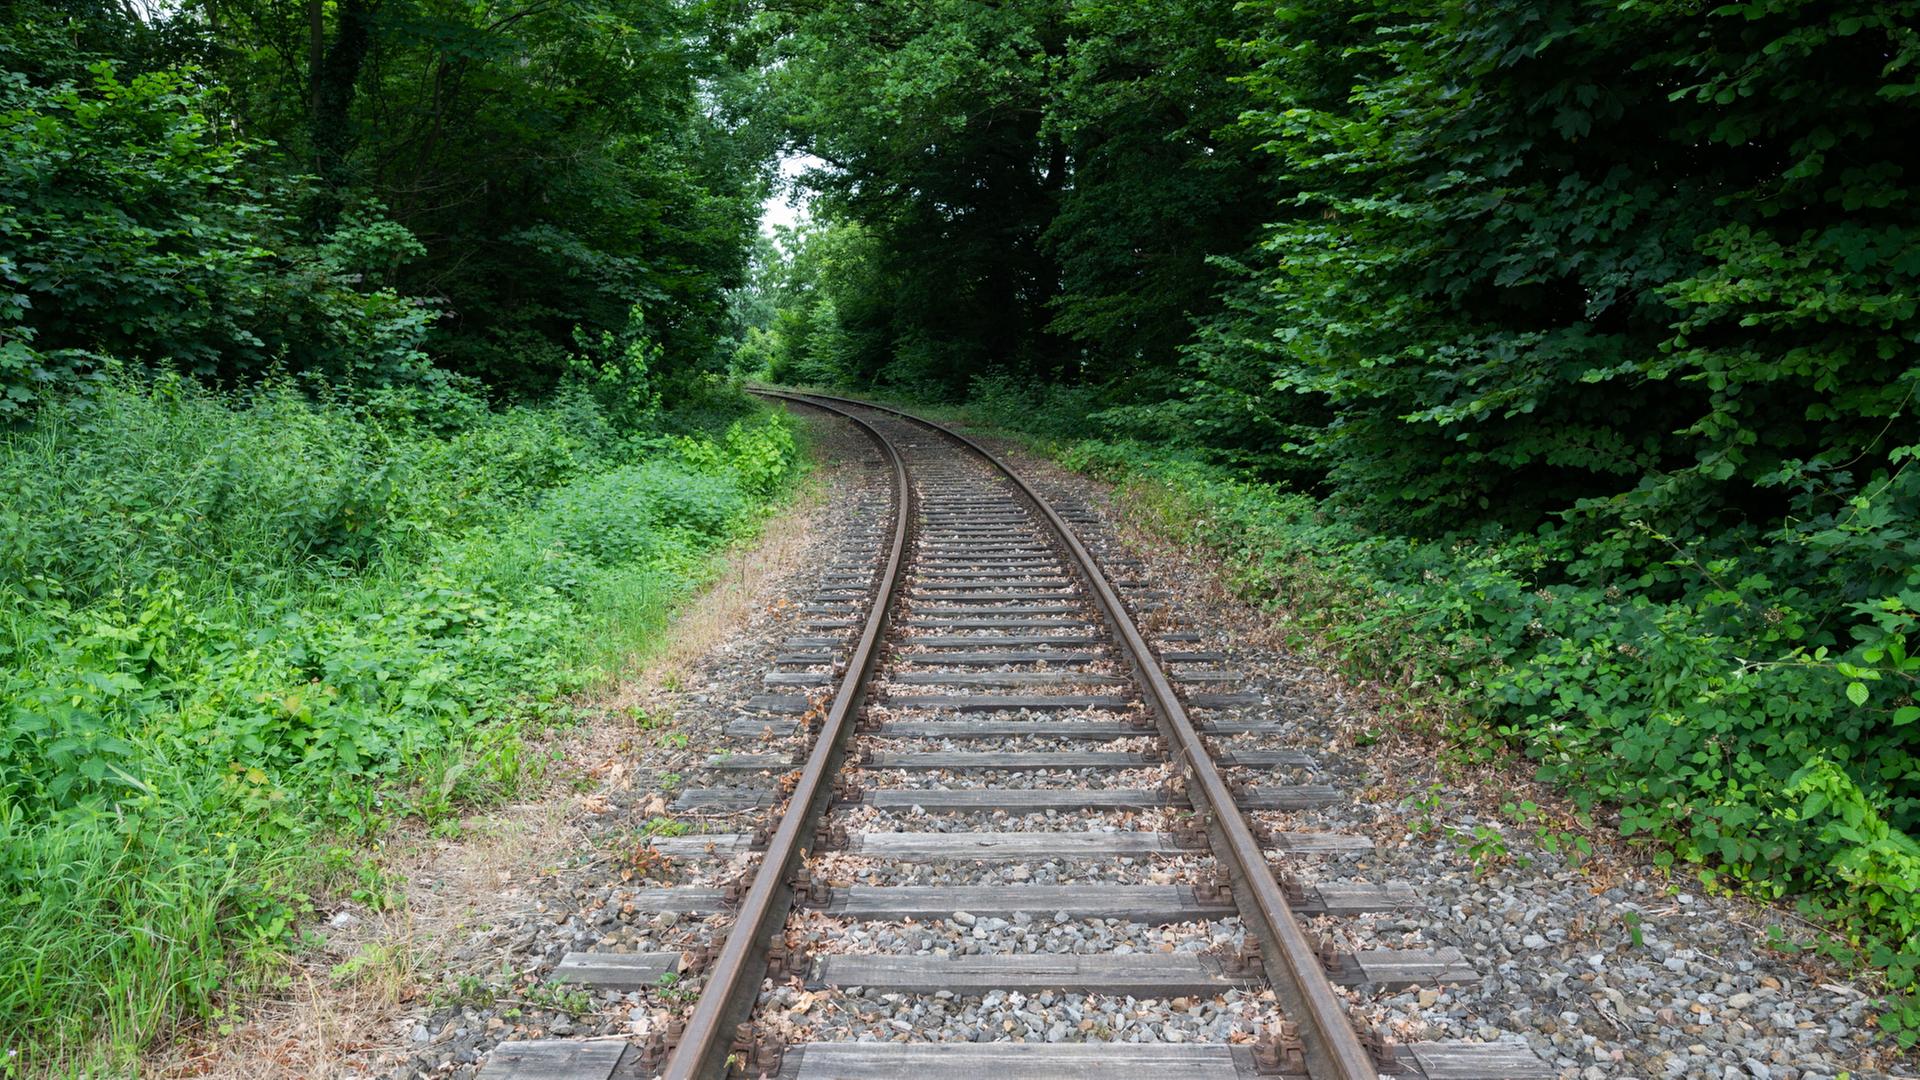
1334	1050
733	982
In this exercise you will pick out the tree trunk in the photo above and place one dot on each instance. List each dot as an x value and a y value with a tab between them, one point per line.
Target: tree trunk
333	85
316	53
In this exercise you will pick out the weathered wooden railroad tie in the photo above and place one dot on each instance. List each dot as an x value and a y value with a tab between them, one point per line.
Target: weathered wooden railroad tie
974	697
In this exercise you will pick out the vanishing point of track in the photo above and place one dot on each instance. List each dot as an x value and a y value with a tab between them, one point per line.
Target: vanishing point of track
979	586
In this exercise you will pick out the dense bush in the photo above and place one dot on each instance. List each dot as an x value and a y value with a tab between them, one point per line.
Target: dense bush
233	623
1052	412
1656	257
1760	732
131	228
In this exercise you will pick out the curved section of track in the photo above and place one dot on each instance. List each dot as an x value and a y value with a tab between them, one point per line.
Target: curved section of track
1332	1047
995	838
734	978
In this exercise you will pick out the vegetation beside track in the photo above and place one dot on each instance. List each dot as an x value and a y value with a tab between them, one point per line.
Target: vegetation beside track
361	395
356	357
244	634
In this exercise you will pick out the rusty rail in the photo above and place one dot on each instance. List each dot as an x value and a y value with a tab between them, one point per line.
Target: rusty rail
1333	1047
733	982
1334	1050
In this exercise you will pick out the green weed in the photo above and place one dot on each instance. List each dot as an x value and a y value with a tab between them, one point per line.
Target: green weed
235	628
659	826
558	997
668	989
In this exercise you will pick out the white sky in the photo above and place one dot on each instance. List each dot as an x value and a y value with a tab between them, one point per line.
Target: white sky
787	204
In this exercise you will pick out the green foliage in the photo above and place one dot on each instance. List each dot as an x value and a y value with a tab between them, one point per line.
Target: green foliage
233	623
560	997
803	284
562	162
1036	187
1146	104
621	371
131	228
279	561
1053	412
113	923
932	117
1539	255
1872	870
1688	699
486	184
1573	342
639	511
760	457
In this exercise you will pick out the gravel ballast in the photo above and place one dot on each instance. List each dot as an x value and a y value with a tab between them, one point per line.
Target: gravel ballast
1604	966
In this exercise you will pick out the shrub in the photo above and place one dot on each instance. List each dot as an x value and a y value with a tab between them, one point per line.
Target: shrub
133	228
629	513
1044	409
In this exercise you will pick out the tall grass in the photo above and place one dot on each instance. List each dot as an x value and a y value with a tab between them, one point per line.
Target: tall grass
234	625
118	930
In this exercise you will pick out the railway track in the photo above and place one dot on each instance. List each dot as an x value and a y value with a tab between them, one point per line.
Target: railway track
985	770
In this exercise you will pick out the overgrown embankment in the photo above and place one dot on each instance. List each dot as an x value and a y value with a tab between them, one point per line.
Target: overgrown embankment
240	631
